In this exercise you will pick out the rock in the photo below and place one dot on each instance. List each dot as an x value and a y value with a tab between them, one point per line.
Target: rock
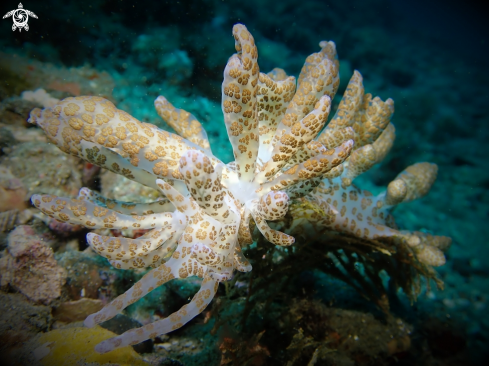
90	275
12	192
170	362
185	288
20	320
15	111
398	345
115	186
29	267
7	139
121	323
73	311
43	168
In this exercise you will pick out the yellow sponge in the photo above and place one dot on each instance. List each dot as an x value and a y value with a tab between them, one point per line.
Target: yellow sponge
75	346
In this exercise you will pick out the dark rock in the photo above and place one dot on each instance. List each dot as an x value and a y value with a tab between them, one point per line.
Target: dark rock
170	362
90	275
122	323
20	320
6	139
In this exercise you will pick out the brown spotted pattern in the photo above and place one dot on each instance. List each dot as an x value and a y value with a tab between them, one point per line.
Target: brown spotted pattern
417	180
183	122
293	137
239	104
127	208
349	105
371	119
92	127
83	212
384	143
176	320
312	168
204	184
272	206
319	76
275	91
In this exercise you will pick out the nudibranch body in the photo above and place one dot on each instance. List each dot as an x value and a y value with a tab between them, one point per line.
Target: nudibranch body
283	153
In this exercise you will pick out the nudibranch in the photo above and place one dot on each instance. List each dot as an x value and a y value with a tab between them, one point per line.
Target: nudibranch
209	209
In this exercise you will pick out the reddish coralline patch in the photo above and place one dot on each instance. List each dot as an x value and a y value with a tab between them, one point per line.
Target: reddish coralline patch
90	174
29	267
63	228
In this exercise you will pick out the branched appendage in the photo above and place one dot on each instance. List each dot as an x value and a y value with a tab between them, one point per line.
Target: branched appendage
176	320
281	156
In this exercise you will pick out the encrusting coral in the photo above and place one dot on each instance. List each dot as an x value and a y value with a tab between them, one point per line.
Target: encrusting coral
284	165
28	266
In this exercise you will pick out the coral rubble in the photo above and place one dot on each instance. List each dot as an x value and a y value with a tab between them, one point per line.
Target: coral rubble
29	267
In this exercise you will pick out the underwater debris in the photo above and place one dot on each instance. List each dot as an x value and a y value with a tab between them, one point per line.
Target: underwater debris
285	171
